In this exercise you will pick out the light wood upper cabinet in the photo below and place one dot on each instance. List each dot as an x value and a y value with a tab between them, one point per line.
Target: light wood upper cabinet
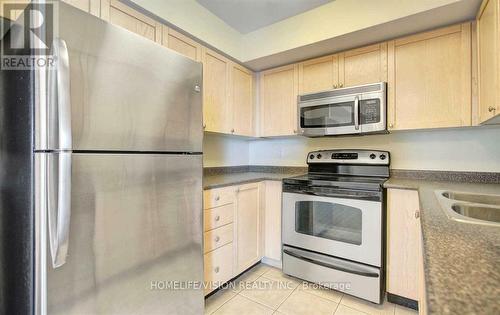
318	74
90	6
217	115
278	101
488	43
430	79
181	43
363	65
403	243
248	226
122	15
242	100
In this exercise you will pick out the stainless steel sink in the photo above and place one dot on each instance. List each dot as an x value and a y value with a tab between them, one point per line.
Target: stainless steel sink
470	208
474	198
478	212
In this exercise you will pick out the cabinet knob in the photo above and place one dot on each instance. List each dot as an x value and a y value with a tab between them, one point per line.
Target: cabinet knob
217	218
217	198
232	130
335	86
217	238
295	131
391	126
204	126
216	269
341	85
491	109
197	88
417	214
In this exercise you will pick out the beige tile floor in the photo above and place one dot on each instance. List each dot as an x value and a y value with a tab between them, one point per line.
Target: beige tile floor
266	290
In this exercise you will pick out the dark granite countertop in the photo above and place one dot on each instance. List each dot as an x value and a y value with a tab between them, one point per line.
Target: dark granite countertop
461	260
220	177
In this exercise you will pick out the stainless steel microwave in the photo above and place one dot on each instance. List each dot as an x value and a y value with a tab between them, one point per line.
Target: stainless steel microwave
347	111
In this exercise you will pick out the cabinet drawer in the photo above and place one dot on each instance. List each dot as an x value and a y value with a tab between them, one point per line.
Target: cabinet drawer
218	266
218	237
218	197
216	217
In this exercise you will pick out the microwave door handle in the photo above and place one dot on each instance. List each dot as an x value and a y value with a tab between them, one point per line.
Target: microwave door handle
356	113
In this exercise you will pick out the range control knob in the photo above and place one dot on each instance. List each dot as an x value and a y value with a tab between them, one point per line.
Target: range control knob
311	156
318	156
372	156
382	156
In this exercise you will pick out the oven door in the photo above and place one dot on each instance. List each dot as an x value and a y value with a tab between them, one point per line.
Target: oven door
345	228
329	116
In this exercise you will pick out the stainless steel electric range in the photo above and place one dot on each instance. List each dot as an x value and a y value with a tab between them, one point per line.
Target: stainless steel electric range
334	222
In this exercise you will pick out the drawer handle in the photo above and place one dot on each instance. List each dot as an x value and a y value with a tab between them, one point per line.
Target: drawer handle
217	218
217	238
216	269
217	198
417	214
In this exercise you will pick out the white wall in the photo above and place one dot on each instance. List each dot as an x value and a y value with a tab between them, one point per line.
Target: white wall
468	149
219	150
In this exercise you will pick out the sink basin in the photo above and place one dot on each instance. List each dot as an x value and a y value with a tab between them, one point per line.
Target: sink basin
470	208
491	214
473	198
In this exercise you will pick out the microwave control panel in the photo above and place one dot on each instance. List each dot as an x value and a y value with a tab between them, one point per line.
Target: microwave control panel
369	111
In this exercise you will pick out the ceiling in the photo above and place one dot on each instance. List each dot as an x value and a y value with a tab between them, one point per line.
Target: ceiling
249	15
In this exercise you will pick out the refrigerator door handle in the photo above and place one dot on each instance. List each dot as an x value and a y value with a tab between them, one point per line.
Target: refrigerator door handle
59	99
59	205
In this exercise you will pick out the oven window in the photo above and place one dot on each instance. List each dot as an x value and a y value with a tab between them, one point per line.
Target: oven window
330	115
329	220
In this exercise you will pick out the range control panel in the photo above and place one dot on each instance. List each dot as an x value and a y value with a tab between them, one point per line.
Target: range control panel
372	157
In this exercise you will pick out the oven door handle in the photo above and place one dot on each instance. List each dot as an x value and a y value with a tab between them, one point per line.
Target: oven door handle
331	265
356	113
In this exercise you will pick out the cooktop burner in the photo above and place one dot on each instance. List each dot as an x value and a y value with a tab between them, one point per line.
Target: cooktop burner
344	169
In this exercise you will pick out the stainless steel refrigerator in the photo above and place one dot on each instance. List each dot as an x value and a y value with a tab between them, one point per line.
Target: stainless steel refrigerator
101	177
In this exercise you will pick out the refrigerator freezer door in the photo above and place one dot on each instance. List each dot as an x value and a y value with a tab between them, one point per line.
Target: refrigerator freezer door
126	92
135	233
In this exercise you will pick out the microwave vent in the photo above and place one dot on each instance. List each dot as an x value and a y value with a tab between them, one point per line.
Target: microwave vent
340	92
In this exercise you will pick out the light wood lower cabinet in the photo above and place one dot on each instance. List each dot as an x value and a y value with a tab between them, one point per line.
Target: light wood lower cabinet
218	266
248	238
272	222
430	79
404	255
488	43
232	232
278	101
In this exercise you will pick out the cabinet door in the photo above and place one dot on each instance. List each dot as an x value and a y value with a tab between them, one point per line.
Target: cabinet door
363	65
90	6
278	101
430	79
122	15
318	74
181	43
403	243
242	100
247	226
488	37
272	219
216	108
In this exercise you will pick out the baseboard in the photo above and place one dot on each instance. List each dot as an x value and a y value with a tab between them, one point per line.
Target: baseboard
400	300
272	262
